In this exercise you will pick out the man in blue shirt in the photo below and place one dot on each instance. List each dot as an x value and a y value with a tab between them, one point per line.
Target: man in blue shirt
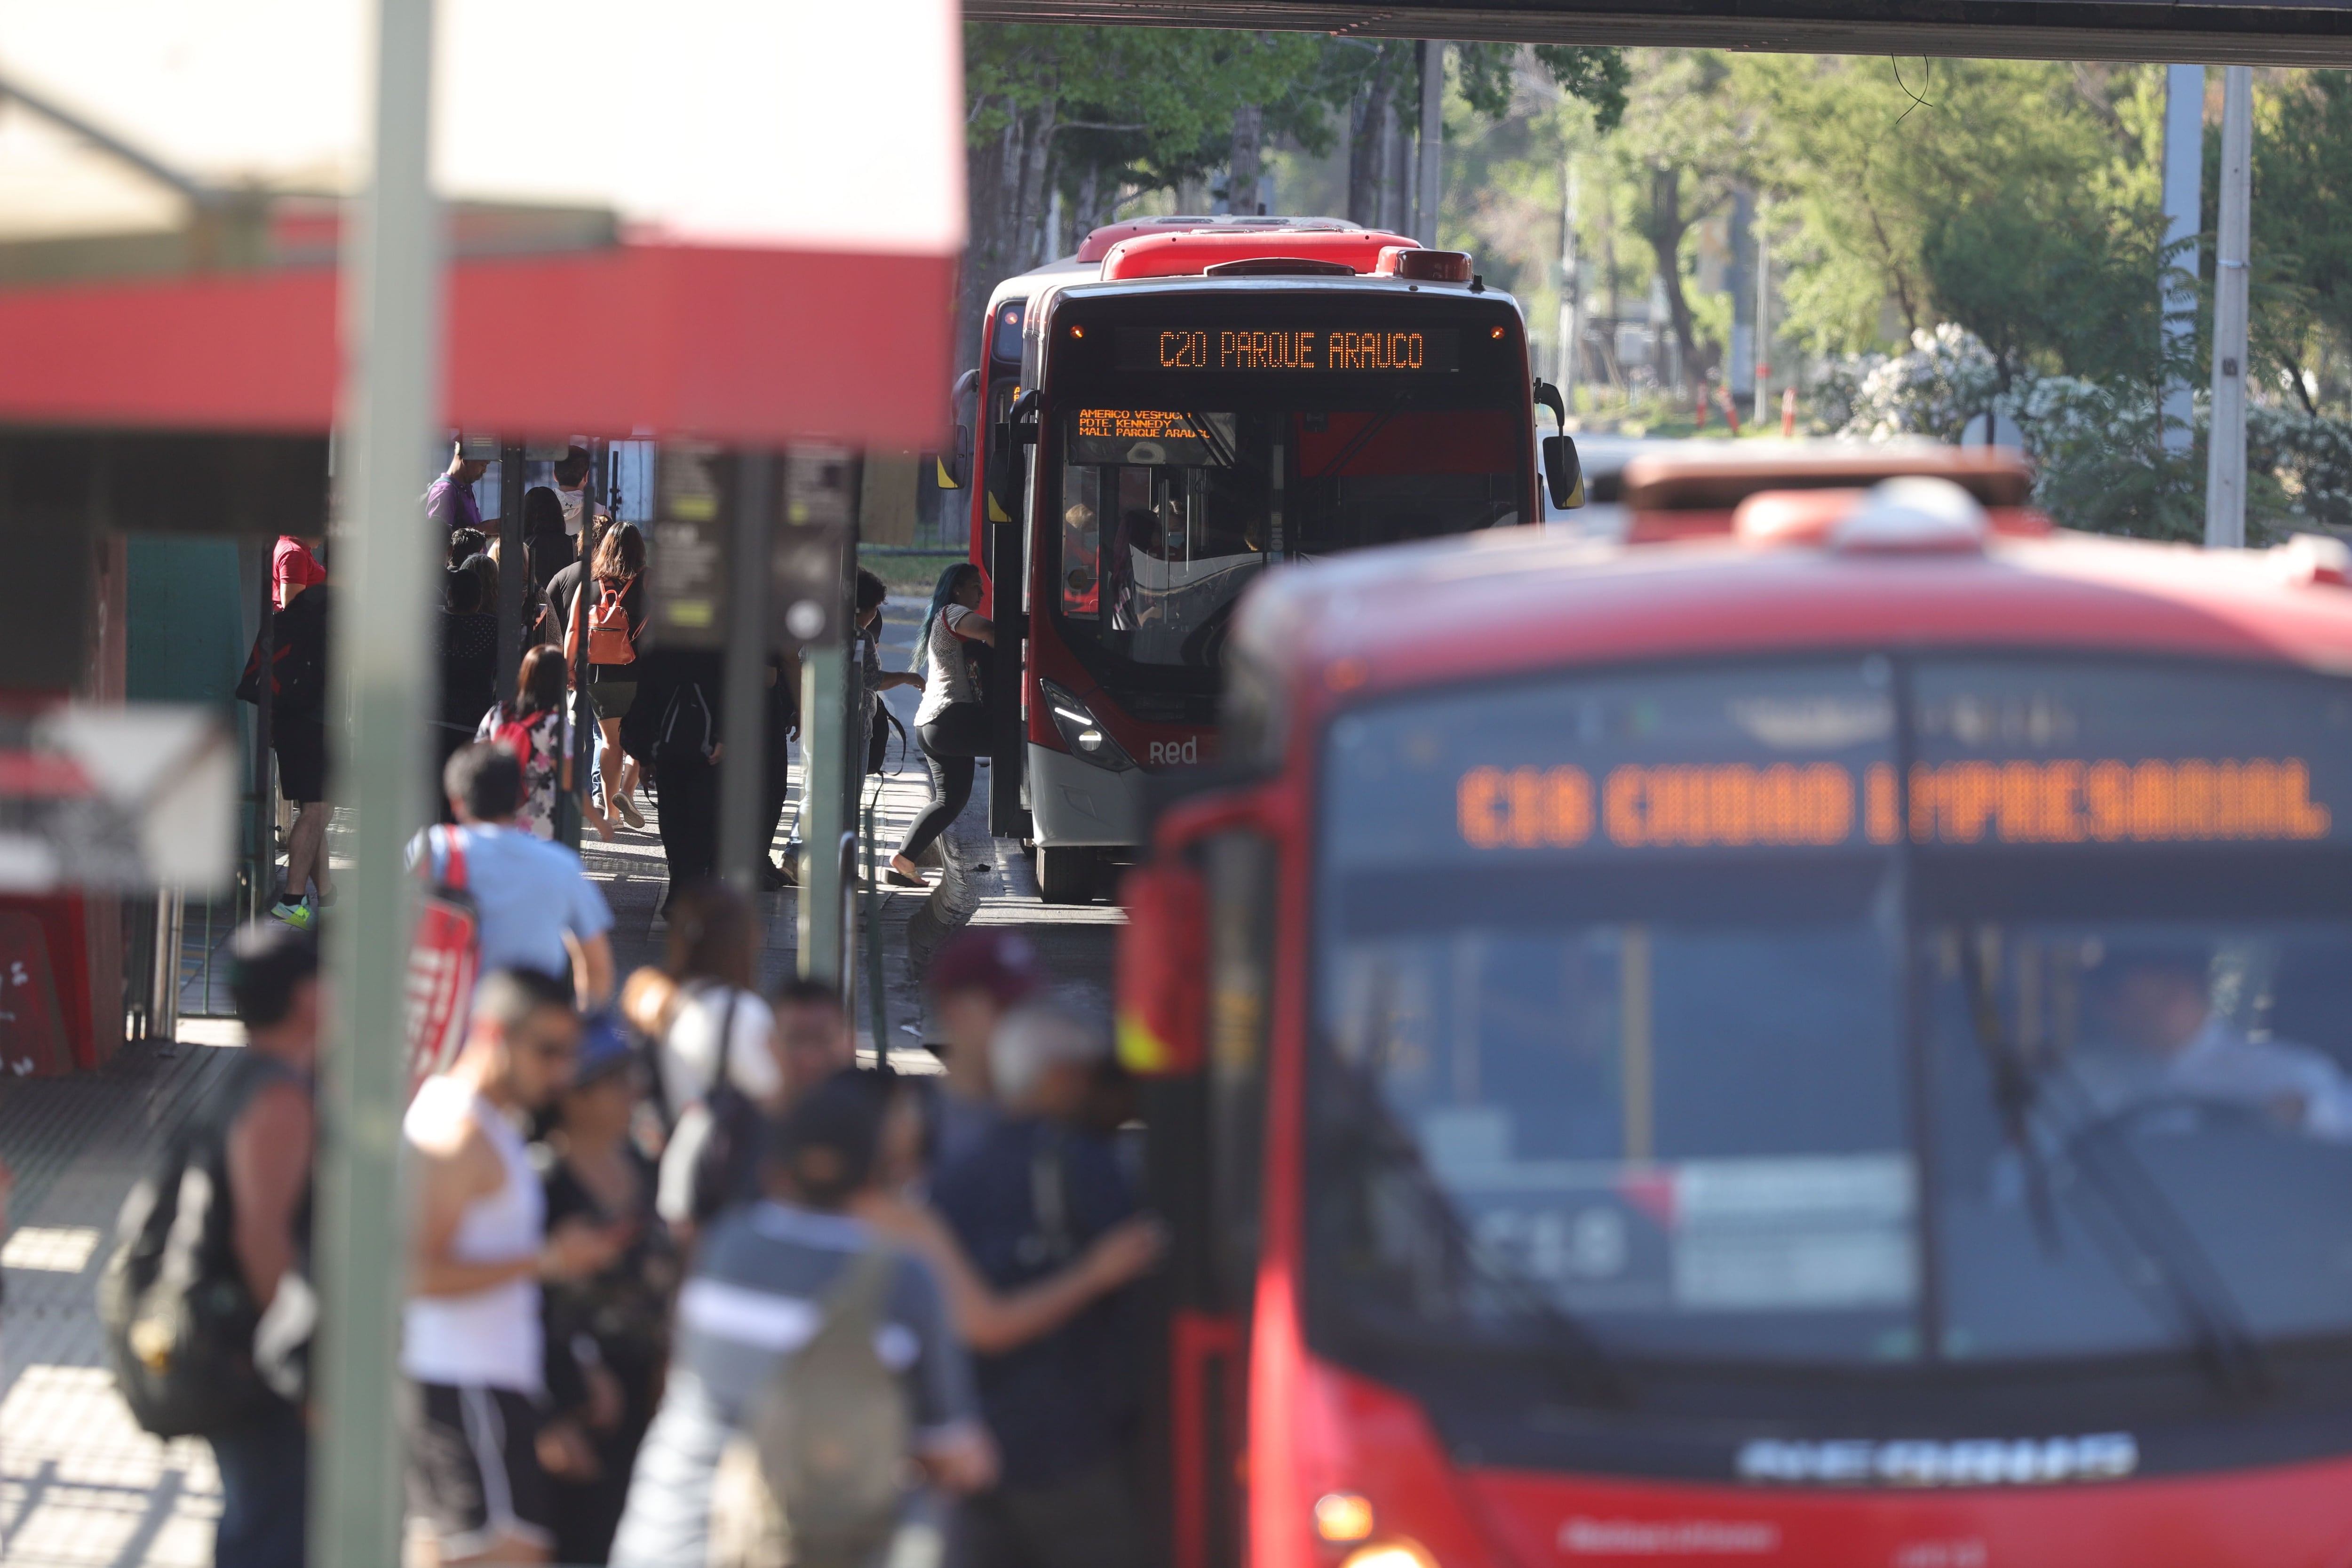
535	907
1031	1196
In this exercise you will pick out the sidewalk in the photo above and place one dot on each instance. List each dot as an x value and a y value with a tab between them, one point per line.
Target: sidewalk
80	1486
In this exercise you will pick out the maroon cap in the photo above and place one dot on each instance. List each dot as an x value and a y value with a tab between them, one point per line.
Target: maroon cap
1001	963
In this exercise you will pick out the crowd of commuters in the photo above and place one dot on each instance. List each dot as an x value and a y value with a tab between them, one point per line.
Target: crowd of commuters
619	1330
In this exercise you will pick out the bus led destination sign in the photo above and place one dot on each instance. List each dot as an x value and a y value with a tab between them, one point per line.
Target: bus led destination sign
1349	351
2189	800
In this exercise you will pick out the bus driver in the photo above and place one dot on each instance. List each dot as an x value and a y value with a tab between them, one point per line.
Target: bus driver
2159	1005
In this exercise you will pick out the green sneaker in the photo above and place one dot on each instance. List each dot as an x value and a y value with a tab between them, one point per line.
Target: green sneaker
299	916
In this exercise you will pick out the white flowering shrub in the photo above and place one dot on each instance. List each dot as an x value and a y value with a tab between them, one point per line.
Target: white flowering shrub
1947	379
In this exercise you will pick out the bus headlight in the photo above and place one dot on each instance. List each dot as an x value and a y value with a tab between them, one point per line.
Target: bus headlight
1081	732
1395	1552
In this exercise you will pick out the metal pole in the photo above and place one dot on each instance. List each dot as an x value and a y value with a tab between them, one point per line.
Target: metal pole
2184	176
164	995
1763	317
514	565
2225	460
1432	135
743	769
825	723
393	343
1741	371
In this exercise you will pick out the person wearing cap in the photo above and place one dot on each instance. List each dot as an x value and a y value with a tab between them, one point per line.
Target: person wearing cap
608	1332
255	1134
761	1278
1036	1196
976	977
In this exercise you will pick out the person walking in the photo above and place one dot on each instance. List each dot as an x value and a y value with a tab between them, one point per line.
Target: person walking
950	725
763	1285
607	1333
472	1345
1037	1193
297	692
253	1138
535	907
469	654
610	616
536	727
546	538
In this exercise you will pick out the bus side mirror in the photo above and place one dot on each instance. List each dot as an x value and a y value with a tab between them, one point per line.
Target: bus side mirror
955	463
1562	473
1163	966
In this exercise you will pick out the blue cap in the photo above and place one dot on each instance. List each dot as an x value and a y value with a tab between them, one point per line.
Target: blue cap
603	1048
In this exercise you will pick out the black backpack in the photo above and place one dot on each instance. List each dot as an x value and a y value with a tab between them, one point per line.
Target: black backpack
712	1163
177	1316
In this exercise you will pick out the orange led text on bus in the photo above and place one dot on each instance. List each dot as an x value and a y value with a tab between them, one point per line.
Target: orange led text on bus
1195	349
1817	804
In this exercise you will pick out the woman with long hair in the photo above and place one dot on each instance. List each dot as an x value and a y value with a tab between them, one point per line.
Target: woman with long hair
535	726
703	1006
950	725
614	595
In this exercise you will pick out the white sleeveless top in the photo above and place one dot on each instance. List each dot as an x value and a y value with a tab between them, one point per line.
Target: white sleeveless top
491	1339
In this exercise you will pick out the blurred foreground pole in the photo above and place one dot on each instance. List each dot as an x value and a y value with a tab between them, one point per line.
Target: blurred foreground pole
743	768
392	341
2184	178
2225	453
1433	136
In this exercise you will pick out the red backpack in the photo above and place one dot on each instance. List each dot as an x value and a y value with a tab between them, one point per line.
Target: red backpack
445	953
610	638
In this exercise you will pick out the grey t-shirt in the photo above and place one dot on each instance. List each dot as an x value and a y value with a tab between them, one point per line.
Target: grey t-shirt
757	1295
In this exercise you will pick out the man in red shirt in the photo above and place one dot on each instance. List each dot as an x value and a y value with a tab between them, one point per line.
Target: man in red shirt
294	566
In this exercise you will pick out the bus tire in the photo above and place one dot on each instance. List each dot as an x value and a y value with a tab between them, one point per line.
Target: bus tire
1069	875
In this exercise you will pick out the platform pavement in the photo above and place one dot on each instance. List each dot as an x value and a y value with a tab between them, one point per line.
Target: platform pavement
80	1486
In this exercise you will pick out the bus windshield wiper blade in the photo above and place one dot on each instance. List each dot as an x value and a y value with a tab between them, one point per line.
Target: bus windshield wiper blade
1374	1146
2150	1227
1219	453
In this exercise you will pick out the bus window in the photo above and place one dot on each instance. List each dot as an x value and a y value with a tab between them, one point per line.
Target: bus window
1081	542
1206	499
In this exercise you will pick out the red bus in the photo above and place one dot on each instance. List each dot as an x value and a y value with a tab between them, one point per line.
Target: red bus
1182	405
1822	1041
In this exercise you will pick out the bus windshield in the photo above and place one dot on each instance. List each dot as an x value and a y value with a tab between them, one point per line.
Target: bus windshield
1166	515
1674	1004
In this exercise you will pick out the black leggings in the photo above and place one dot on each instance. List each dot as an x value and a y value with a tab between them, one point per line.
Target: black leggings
950	742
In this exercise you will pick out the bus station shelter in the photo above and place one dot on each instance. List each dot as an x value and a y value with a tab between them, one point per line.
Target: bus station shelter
259	263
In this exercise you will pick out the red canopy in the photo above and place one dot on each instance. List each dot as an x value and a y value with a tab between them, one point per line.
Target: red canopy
735	345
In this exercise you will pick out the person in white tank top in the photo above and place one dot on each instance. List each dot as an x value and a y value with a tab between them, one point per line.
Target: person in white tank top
471	1346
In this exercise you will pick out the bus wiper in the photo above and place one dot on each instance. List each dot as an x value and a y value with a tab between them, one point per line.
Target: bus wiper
1356	444
1373	1145
2152	1229
1219	453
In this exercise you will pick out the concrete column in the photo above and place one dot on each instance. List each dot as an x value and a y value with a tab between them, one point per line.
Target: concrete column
2225	451
392	340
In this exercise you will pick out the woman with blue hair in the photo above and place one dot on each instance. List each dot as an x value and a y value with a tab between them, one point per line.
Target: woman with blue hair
950	725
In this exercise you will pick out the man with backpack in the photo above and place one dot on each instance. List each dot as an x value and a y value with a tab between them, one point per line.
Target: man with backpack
205	1323
535	907
811	1364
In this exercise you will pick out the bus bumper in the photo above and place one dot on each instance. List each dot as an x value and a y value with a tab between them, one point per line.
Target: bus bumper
1076	804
